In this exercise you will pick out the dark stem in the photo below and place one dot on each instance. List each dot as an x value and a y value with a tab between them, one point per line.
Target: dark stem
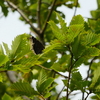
70	68
48	17
60	93
87	95
88	72
38	14
75	8
82	95
52	70
22	14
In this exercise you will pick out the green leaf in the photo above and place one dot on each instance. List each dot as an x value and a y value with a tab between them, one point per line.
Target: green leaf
6	97
1	50
77	20
42	78
91	52
18	45
62	24
4	8
73	31
1	78
47	95
76	81
79	61
45	85
23	88
77	47
3	59
96	74
6	48
90	39
57	67
57	31
55	44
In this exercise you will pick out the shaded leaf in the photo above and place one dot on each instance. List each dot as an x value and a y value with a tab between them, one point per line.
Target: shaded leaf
3	59
41	79
6	97
23	88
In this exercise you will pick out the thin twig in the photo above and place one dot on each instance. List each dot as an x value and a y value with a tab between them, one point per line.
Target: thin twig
48	17
88	72
70	68
52	70
60	74
87	95
75	8
38	14
83	95
44	67
60	93
22	14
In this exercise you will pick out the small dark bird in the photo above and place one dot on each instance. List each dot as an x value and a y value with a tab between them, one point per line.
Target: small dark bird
37	46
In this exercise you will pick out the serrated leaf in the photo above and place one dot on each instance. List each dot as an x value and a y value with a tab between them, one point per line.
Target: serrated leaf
45	85
90	39
73	31
23	88
1	50
6	48
77	47
77	20
57	67
96	75
91	52
57	32
79	61
19	43
55	44
6	97
3	59
76	81
42	78
62	24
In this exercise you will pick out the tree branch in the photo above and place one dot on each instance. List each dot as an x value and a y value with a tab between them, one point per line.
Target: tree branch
60	93
22	14
52	70
88	75
88	72
48	17
87	95
38	14
70	68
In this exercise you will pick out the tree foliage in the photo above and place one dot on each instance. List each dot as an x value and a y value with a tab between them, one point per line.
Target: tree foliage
77	44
